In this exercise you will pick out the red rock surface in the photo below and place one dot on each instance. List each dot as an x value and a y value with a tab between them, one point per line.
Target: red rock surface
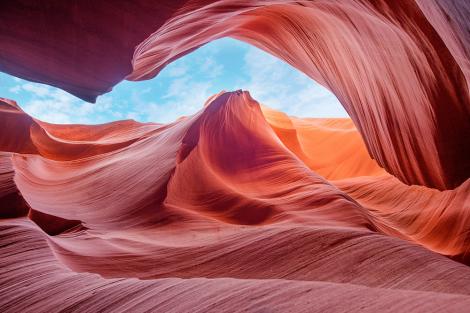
240	207
223	210
400	68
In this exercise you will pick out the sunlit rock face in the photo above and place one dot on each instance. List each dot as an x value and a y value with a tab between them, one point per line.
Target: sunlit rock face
236	191
240	207
400	68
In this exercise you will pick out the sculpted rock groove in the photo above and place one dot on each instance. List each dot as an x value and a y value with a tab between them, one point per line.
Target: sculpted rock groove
237	191
240	207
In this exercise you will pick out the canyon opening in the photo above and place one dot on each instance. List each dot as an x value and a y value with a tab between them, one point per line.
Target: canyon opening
276	156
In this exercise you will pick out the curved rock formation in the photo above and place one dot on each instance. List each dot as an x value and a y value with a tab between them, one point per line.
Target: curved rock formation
333	148
230	192
44	285
240	207
392	64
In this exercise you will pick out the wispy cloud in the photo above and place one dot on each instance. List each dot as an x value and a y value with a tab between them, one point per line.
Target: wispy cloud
184	96
15	89
278	85
211	67
178	70
57	106
37	89
182	88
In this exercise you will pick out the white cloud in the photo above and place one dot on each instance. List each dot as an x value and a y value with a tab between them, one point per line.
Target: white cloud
57	106
176	70
133	115
15	89
48	110
37	89
211	68
177	87
282	87
183	88
184	96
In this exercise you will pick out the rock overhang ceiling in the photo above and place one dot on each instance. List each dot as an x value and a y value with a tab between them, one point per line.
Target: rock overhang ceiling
280	205
392	64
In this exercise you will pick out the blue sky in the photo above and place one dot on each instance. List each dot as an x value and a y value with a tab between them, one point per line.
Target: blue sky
182	88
